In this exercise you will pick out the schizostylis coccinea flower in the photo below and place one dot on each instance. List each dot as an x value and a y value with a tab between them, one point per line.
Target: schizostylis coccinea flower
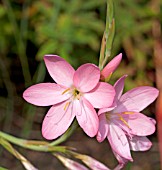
75	94
123	124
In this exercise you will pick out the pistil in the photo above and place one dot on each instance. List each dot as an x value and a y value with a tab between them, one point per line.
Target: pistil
76	94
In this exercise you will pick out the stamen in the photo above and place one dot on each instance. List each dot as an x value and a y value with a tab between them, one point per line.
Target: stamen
128	113
124	121
66	105
65	91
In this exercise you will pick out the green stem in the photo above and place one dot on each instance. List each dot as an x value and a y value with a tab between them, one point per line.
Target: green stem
10	92
109	32
66	135
109	42
102	52
108	37
33	144
24	22
19	43
29	112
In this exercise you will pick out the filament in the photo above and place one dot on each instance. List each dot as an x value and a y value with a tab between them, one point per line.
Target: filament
65	91
124	121
66	105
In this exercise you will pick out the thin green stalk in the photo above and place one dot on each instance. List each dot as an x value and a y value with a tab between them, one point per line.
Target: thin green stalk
19	43
108	37
24	22
32	144
102	51
10	92
109	32
109	42
66	135
29	112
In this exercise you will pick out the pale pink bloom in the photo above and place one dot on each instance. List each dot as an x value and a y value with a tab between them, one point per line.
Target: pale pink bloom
123	124
110	67
91	162
136	143
70	164
76	93
25	162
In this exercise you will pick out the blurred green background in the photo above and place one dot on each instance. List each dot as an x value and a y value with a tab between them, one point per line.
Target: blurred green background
72	29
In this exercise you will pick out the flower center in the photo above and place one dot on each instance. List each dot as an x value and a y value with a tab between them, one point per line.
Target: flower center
76	94
110	115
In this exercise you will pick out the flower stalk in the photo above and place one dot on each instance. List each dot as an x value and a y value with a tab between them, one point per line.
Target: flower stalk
36	145
66	135
108	36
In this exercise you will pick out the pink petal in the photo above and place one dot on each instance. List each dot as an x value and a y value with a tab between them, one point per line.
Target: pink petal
45	94
92	163
87	118
119	86
119	142
57	120
70	164
60	70
77	108
101	96
122	161
140	143
153	120
107	109
123	126
119	166
103	128
139	124
86	77
111	66
137	99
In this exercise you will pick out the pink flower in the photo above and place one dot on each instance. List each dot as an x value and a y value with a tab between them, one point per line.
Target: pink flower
110	67
123	124
70	164
91	162
76	93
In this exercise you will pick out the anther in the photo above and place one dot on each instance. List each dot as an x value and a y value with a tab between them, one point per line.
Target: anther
128	113
65	91
66	105
124	121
